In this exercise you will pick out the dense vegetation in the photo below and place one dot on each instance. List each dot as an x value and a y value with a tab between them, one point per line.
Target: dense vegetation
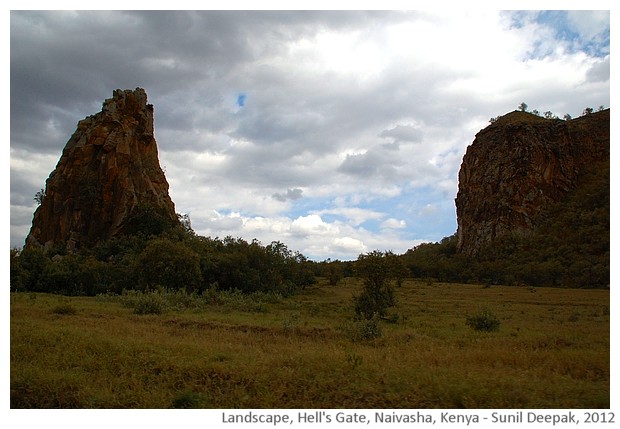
173	259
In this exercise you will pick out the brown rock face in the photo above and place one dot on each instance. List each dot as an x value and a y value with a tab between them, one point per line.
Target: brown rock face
109	170
519	165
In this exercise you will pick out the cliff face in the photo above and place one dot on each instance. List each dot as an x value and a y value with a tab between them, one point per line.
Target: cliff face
108	172
519	165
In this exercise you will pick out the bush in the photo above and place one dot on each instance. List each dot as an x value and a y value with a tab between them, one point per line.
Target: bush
239	301
363	330
150	303
64	309
186	400
169	264
484	321
377	271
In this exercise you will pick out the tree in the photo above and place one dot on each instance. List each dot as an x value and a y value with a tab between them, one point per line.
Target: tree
39	196
523	107
149	220
169	264
588	111
397	268
334	272
376	270
27	269
186	223
567	117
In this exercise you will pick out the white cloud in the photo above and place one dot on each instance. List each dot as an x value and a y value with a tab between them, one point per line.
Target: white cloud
589	24
354	216
349	245
392	223
403	133
215	221
305	226
429	210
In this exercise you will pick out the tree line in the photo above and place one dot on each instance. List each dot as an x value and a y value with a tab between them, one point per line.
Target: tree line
523	107
171	256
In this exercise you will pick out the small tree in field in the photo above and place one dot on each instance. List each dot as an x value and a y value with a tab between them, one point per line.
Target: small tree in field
376	270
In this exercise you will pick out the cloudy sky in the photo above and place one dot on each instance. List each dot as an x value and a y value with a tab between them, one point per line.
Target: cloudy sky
336	133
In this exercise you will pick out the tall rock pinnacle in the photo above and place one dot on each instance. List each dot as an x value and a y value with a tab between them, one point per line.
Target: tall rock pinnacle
107	177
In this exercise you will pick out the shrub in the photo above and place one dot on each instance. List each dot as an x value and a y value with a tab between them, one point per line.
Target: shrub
377	270
150	303
64	309
187	399
354	360
180	300
169	264
363	330
483	321
237	300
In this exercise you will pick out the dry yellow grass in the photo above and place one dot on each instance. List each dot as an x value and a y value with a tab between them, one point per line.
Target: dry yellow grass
551	351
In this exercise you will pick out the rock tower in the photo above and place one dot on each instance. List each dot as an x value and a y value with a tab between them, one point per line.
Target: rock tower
108	176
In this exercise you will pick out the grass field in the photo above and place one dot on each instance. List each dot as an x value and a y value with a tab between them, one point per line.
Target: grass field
551	351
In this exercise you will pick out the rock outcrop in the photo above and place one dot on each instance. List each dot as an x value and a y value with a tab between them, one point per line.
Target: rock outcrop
108	176
519	165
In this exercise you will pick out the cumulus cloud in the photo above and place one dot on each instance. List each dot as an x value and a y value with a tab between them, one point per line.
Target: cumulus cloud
311	225
392	223
216	221
328	132
349	245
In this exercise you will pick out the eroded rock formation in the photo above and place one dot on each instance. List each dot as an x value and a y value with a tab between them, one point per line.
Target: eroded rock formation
519	165
108	174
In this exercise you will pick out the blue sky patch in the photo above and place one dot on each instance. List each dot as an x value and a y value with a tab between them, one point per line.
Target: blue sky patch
594	40
585	31
241	100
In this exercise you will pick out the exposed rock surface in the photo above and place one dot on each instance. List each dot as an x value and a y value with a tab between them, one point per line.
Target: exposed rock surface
519	165
108	171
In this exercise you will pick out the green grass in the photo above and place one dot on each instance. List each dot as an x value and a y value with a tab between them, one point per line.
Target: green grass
551	351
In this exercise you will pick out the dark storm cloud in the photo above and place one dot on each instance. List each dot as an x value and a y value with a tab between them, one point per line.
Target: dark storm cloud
291	194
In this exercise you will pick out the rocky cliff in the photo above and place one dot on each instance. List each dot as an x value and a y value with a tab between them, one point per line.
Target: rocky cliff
518	166
107	179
